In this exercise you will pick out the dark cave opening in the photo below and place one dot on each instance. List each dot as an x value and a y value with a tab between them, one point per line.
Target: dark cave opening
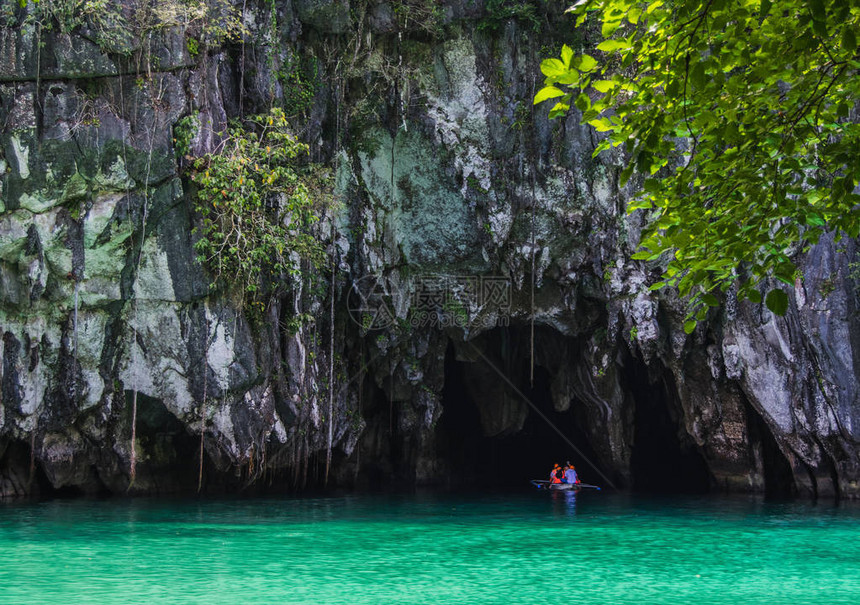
17	477
508	461
661	459
169	455
21	476
779	480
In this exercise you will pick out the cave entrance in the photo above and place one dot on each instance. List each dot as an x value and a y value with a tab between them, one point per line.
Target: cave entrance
661	459
506	461
779	480
168	458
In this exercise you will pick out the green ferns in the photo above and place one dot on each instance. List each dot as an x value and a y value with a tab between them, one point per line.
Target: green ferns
256	210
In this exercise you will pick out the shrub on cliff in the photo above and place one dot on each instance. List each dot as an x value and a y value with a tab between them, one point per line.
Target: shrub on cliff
256	210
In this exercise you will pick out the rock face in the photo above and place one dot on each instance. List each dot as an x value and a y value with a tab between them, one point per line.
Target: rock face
483	309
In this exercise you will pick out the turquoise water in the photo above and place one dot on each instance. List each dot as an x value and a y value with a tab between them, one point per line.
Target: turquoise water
526	548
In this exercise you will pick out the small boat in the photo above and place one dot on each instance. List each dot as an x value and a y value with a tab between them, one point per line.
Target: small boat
561	487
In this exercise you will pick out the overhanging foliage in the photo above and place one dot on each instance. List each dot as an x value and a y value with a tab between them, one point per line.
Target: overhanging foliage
741	115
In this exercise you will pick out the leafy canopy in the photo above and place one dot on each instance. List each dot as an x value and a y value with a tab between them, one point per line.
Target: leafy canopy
741	116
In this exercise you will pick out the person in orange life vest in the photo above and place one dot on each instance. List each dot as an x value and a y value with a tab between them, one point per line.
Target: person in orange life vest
553	476
570	474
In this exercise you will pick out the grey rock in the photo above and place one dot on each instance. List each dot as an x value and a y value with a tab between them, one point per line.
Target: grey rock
443	171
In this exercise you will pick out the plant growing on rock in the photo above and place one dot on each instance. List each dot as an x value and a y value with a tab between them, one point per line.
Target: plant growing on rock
184	132
256	209
206	22
424	15
500	12
300	81
67	15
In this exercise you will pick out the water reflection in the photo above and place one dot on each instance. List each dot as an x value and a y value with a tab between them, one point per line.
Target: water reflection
564	503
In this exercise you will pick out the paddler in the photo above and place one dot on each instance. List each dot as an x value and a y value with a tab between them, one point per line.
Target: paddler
553	476
570	474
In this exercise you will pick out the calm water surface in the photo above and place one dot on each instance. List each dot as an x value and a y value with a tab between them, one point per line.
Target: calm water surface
525	548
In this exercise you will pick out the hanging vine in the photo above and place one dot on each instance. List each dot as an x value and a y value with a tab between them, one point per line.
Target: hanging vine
133	454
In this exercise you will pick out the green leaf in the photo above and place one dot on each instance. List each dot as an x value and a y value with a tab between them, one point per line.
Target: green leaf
764	8
586	62
583	102
633	15
784	272
849	39
640	204
548	92
654	6
569	79
566	55
601	124
690	326
813	219
625	174
754	296
697	75
603	86
609	26
609	46
673	88
552	68
576	5
777	302
710	300
816	7
558	110
820	28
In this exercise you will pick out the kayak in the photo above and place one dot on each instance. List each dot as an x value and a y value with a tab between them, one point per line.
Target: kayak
561	487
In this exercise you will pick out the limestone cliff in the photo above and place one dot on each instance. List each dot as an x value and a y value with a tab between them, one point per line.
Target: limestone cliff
479	283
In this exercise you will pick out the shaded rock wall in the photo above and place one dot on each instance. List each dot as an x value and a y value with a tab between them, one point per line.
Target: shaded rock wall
463	214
